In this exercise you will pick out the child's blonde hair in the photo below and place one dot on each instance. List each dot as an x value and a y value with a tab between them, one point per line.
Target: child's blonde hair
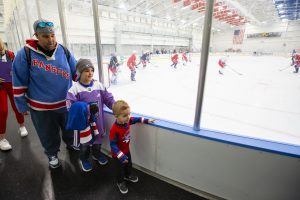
119	106
2	46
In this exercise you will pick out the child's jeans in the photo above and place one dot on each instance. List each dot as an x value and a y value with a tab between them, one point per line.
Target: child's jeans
85	150
122	169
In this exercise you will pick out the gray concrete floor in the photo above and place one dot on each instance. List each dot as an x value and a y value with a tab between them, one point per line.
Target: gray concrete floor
24	174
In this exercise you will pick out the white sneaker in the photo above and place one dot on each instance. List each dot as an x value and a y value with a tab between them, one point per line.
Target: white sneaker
4	145
54	162
23	132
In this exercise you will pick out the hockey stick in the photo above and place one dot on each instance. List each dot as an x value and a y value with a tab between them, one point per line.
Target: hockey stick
232	69
284	68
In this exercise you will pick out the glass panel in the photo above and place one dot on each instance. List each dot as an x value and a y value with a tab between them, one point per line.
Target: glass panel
159	90
256	93
49	11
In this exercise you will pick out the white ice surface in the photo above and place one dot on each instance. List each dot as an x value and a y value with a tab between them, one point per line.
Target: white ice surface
263	102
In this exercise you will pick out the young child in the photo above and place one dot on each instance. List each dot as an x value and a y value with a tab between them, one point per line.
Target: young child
88	90
119	143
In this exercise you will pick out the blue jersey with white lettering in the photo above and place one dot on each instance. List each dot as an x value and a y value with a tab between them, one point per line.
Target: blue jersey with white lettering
44	84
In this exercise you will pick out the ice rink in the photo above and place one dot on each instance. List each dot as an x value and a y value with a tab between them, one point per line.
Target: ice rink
263	102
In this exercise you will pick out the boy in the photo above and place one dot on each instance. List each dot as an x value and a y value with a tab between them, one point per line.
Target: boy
119	143
94	94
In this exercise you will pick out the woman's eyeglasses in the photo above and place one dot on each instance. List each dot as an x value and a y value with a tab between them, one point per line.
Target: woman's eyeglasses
44	24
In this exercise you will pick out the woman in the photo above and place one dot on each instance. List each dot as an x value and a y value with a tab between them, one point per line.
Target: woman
6	59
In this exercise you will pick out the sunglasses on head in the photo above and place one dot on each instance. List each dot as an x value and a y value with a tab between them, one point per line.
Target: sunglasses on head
44	24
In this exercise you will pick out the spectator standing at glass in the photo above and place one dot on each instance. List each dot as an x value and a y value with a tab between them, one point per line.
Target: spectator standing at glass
42	74
119	143
6	89
92	92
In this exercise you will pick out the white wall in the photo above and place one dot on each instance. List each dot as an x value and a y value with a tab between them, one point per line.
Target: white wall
3	36
223	170
134	29
289	40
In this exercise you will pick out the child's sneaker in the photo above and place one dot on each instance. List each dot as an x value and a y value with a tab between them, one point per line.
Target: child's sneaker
122	187
102	160
4	145
54	162
86	165
23	132
131	178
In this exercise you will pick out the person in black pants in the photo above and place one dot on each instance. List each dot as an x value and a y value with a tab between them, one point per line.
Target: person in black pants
119	143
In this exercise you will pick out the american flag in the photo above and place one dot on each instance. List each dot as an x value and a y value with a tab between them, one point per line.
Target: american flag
238	36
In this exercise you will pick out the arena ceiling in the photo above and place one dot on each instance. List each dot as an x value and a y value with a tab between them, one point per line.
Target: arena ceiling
226	12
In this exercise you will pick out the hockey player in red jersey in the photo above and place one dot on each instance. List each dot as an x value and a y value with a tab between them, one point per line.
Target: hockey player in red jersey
184	58
131	63
296	61
222	64
174	59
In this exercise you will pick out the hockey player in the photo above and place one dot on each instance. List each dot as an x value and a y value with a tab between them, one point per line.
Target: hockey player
144	59
184	58
293	54
113	67
222	64
174	59
296	61
131	63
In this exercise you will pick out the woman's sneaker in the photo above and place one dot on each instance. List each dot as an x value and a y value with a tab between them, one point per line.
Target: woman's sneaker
131	178
23	132
85	165
54	162
122	187
4	145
